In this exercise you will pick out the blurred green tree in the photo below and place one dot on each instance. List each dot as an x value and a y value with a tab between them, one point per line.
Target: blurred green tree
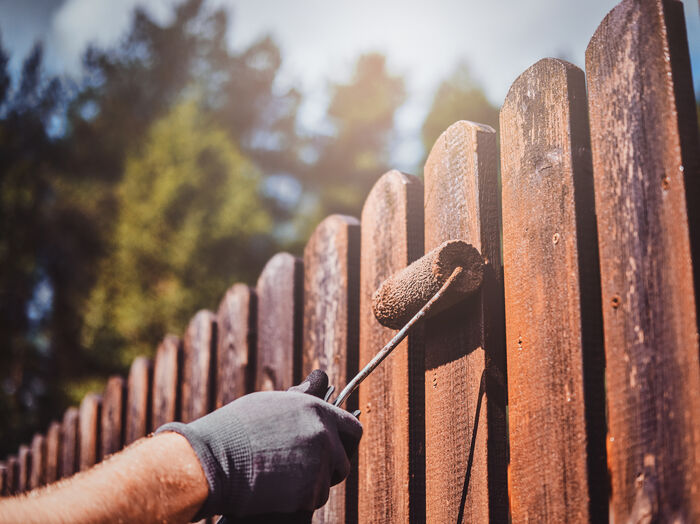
190	216
357	153
459	97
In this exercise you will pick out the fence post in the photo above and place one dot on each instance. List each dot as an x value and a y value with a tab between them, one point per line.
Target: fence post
645	163
330	342
236	318
391	454
552	290
112	416
167	374
464	352
89	431
37	476
53	452
138	403
280	294
70	444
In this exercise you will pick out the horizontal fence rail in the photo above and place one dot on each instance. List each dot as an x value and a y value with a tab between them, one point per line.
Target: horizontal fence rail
566	390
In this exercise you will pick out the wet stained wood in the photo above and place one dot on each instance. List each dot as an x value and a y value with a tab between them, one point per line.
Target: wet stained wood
11	476
24	461
112	416
198	371
70	443
138	400
53	452
553	319
167	372
89	429
37	475
280	294
645	164
235	354
391	454
331	322
464	351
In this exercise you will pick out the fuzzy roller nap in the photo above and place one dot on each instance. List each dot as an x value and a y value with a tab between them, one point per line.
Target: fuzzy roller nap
404	293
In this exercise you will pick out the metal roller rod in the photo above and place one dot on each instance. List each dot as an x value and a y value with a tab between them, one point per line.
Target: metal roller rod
386	350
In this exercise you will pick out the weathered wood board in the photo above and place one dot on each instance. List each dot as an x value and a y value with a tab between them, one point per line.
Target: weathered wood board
280	294
24	459
53	452
167	375
89	429
70	443
331	323
552	297
138	400
12	475
645	163
37	475
235	352
112	416
464	347
198	372
391	454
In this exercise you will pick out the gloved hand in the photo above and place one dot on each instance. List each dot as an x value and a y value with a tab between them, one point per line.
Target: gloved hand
272	451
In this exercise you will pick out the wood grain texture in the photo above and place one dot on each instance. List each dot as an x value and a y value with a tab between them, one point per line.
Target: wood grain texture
167	373
280	294
198	372
37	476
12	476
644	163
53	452
24	460
89	429
70	442
138	400
391	453
552	297
464	347
235	354
331	323
112	416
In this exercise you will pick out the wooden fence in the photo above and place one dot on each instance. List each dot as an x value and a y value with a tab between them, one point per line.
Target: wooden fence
597	416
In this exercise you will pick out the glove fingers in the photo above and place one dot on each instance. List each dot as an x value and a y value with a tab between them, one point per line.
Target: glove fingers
315	384
349	431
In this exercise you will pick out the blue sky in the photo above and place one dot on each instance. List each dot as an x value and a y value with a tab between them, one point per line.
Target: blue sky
320	40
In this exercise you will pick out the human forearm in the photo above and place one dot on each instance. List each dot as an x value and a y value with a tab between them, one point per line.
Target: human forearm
157	479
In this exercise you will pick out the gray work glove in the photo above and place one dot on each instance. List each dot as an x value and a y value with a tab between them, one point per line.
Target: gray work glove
272	451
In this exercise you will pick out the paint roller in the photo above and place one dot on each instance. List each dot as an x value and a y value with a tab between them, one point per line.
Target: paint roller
435	282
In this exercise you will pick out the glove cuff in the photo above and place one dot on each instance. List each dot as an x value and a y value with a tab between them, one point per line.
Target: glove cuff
225	457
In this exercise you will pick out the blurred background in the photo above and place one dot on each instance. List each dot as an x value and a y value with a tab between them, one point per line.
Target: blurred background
154	152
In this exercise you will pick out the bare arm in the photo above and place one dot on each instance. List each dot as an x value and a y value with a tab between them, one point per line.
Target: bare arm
157	479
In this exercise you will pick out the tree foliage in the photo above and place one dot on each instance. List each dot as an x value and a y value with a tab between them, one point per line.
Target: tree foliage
459	97
190	217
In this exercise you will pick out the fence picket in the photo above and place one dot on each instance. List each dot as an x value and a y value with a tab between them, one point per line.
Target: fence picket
464	347
331	308
167	375
71	441
552	290
112	416
89	431
645	163
37	475
235	371
12	475
280	294
138	400
391	454
24	458
53	452
198	372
